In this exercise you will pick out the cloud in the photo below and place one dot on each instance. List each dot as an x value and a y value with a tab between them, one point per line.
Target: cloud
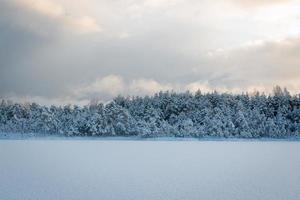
147	86
257	64
63	49
44	7
259	3
36	36
58	101
56	12
199	85
110	86
86	24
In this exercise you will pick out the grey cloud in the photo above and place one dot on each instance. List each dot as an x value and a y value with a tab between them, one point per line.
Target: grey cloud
22	35
59	62
34	41
258	64
41	56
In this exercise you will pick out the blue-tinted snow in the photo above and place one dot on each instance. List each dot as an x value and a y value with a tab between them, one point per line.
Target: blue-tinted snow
134	170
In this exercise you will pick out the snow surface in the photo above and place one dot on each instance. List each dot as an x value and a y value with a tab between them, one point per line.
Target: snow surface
134	170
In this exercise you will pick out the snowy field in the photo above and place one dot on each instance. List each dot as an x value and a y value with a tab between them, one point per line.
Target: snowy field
144	170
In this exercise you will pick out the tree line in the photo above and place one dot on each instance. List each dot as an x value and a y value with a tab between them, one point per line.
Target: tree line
165	114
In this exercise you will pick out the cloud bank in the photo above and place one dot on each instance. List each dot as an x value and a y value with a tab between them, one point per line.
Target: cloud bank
63	50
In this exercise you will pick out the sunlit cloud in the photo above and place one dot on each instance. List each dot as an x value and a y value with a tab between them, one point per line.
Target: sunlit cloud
147	87
259	3
45	7
110	85
82	24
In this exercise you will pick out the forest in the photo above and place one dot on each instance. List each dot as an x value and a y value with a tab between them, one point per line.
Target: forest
165	114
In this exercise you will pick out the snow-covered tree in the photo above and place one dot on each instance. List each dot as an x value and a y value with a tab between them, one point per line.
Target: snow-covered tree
163	114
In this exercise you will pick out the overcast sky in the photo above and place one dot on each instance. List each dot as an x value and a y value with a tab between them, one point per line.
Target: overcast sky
59	51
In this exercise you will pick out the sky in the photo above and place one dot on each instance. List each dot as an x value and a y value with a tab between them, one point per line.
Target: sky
72	51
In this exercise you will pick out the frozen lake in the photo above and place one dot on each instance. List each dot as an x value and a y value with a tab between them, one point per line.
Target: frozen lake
144	170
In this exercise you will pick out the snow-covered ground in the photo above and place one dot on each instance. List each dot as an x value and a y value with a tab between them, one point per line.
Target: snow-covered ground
134	170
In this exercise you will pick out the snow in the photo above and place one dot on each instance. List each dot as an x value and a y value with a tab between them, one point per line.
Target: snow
166	114
134	170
